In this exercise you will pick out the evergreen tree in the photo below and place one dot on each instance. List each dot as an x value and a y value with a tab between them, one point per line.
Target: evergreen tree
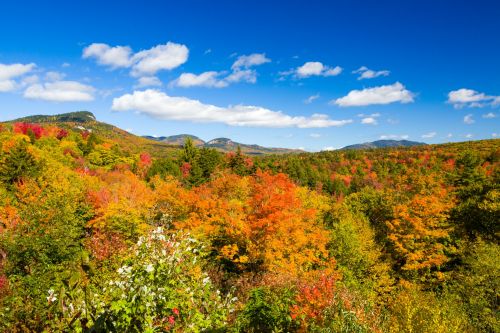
237	162
18	163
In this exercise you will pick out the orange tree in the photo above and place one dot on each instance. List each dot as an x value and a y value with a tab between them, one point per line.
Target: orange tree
259	223
420	233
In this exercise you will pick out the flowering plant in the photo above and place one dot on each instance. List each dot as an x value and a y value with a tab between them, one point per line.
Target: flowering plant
160	287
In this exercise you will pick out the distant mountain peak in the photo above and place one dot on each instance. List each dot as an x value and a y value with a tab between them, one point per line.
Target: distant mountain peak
384	144
221	144
74	117
221	141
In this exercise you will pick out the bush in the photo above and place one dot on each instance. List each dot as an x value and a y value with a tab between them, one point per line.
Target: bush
267	310
161	287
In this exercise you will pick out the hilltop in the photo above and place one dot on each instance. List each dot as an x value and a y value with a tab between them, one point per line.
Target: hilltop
384	144
222	144
85	120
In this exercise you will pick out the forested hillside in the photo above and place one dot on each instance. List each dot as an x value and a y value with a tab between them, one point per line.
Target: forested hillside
102	231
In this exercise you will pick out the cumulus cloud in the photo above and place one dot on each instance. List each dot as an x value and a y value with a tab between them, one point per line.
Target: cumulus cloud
328	148
60	91
468	119
316	68
469	136
8	74
159	105
247	75
28	80
311	99
429	135
366	73
54	76
315	135
148	81
160	57
369	121
247	61
312	68
213	79
144	63
489	115
7	85
394	137
240	72
471	98
115	57
206	79
378	95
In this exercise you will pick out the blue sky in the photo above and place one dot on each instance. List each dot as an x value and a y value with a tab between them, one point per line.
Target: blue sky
310	74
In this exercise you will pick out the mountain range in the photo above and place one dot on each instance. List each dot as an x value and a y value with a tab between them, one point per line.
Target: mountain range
384	144
86	120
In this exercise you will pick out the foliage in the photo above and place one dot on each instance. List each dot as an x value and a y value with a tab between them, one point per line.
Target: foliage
160	287
393	240
18	163
268	310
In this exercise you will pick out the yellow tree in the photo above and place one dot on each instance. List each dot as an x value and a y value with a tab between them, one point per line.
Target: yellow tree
419	231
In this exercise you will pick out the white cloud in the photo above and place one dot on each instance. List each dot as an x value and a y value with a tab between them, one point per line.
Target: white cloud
489	115
366	73
471	98
449	135
247	75
378	95
160	57
10	72
54	76
60	91
328	148
314	68
429	135
315	135
213	79
311	99
144	63
7	85
206	79
469	136
311	68
65	64
468	119
241	72
394	137
29	80
159	105
494	135
369	121
115	57
148	81
247	61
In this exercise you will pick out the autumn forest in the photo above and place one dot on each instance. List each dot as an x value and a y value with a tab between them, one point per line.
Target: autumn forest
104	231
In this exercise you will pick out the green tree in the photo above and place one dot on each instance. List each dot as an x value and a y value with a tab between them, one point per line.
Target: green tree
17	164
